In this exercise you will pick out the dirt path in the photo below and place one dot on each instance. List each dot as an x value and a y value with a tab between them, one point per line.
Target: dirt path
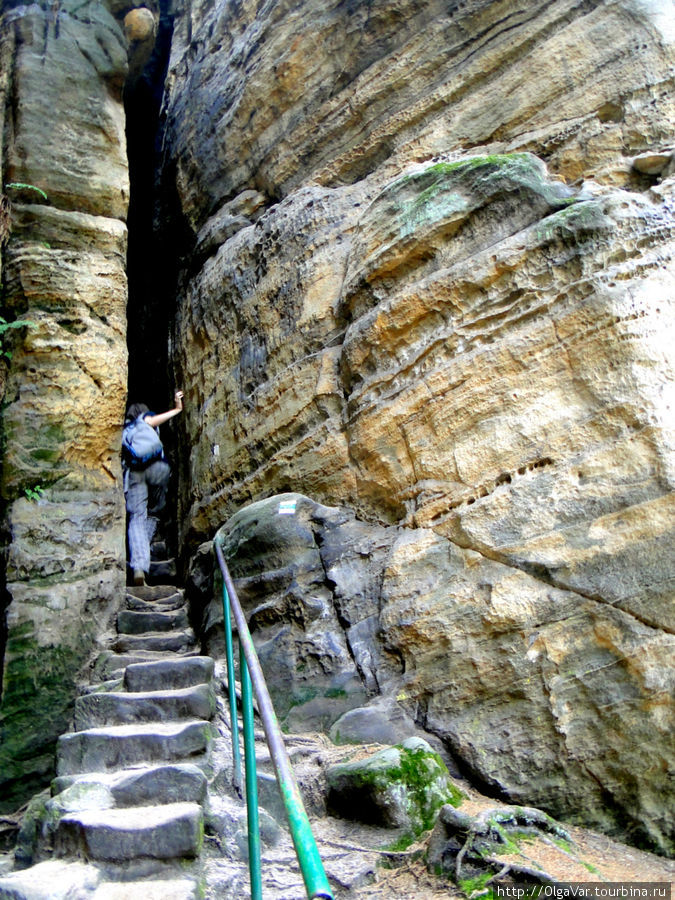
594	857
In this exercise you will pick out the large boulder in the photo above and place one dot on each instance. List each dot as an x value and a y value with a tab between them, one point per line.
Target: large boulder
541	694
273	552
544	694
403	786
432	284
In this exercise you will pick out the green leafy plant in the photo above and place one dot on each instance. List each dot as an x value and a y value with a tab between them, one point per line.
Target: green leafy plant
19	185
34	493
5	327
6	206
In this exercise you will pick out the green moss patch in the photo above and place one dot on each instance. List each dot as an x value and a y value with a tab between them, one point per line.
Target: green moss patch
399	787
39	688
477	886
448	191
574	224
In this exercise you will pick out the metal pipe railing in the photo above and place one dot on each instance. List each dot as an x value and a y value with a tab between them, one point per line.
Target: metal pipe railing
311	867
251	779
231	691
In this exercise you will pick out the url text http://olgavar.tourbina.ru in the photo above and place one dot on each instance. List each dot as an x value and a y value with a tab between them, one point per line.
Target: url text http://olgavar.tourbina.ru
586	890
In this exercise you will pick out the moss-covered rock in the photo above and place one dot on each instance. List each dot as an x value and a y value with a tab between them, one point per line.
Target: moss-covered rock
43	814
446	188
440	214
399	787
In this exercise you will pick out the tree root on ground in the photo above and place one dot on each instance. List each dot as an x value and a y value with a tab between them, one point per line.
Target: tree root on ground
467	847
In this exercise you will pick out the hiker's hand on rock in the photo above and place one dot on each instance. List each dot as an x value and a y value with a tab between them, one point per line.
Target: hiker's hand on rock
178	397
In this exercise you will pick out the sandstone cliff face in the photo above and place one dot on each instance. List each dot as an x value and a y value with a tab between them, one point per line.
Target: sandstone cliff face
422	278
426	283
63	69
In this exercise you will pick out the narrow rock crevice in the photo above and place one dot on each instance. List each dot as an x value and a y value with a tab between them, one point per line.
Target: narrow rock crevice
153	251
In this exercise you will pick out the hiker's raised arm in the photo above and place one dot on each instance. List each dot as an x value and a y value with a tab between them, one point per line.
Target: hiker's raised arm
161	418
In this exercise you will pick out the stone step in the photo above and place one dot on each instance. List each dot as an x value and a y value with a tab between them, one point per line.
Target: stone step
179	783
176	600
136	622
112	684
111	665
54	879
172	831
123	746
176	641
158	550
151	593
169	674
162	570
165	889
120	707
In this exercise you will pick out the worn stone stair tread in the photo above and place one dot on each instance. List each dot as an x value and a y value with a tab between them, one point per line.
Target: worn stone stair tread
162	570
133	604
171	603
100	687
116	667
132	621
168	673
162	562
149	597
137	785
169	831
122	707
167	889
122	746
174	641
158	550
55	879
112	661
153	592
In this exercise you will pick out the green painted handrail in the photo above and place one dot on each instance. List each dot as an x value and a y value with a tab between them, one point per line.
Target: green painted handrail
311	867
231	691
251	779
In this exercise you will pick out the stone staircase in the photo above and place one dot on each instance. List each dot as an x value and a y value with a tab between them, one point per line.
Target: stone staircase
126	815
143	808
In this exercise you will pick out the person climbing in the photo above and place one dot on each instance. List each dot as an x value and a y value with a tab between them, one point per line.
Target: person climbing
146	479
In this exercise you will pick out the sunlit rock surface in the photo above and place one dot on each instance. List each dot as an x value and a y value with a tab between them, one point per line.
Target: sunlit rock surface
531	687
426	283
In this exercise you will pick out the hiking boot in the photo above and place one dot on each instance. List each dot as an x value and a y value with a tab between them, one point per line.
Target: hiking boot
139	578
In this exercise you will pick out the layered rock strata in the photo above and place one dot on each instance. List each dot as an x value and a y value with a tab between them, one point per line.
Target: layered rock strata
429	277
542	695
65	171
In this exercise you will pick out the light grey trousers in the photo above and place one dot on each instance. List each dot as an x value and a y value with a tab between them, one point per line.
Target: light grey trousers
145	496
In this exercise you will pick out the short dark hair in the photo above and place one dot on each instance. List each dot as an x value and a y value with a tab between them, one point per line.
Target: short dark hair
136	410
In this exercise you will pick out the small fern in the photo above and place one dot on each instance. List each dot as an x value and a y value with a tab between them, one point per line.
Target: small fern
34	493
5	326
20	186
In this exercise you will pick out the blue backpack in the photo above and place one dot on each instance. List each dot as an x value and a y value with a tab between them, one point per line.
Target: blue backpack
140	444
